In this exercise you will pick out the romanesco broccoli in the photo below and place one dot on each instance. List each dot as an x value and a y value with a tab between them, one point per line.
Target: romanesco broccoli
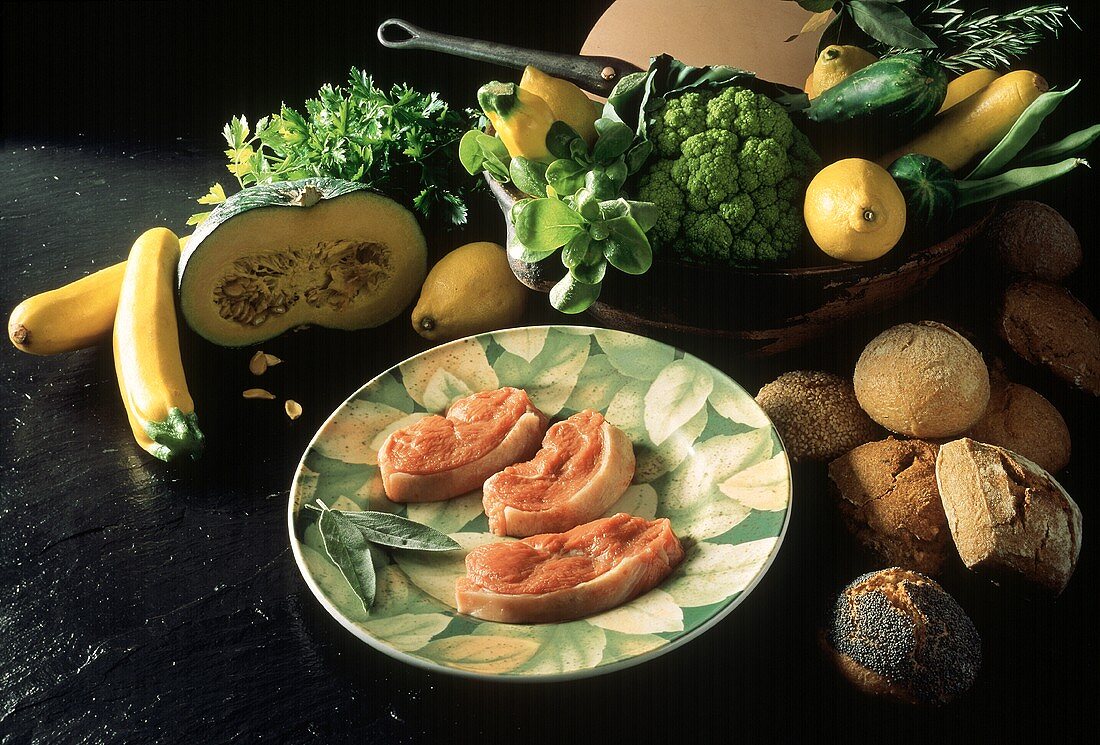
728	176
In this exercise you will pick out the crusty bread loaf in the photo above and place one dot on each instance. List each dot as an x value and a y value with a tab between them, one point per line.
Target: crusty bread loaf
897	634
922	380
1010	519
886	494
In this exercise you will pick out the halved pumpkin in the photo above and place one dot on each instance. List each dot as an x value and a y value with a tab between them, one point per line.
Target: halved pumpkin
317	251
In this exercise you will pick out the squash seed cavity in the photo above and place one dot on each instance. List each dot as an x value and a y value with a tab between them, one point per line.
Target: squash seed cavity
328	275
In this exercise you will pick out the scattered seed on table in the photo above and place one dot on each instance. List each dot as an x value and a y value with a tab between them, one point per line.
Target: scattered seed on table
293	408
272	360
258	393
258	364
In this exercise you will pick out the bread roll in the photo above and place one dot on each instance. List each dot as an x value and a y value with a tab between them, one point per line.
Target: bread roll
922	380
1046	325
1019	419
897	634
887	496
816	414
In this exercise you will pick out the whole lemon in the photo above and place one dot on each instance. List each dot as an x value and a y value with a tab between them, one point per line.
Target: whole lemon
469	291
854	210
834	64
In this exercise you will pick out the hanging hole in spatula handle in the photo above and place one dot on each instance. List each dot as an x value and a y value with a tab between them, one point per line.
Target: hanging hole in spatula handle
595	74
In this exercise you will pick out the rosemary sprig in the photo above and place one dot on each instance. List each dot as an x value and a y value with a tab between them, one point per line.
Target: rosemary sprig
981	38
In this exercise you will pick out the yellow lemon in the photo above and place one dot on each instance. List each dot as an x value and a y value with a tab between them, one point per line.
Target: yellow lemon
835	63
568	102
854	210
471	290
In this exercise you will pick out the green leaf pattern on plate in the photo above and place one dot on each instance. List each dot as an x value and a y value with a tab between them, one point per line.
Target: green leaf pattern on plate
707	458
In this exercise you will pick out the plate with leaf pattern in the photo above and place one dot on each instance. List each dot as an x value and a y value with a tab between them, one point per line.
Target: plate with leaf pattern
708	459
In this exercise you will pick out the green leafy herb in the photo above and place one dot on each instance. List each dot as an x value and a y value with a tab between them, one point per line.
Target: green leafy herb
347	536
958	38
402	142
348	548
883	20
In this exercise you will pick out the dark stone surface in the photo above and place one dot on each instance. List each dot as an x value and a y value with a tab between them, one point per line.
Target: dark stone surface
147	603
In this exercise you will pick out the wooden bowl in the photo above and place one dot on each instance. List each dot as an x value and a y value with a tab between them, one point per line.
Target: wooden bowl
762	311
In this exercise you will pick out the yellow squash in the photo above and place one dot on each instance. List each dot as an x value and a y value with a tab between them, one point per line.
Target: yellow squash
147	351
75	316
520	118
567	102
966	85
976	124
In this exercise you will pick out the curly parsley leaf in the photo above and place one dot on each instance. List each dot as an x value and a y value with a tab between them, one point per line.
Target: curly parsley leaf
401	142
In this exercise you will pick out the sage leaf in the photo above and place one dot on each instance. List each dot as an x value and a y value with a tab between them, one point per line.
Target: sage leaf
558	139
576	250
349	550
587	204
572	296
399	532
606	182
528	175
578	150
566	176
546	224
626	245
590	272
614	140
637	156
884	21
469	152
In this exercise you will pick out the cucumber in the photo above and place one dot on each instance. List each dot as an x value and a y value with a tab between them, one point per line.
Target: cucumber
930	190
900	92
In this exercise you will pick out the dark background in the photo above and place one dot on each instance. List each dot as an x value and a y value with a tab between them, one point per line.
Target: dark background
140	602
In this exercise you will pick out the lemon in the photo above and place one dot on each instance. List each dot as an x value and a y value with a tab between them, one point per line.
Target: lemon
568	102
471	290
854	210
835	63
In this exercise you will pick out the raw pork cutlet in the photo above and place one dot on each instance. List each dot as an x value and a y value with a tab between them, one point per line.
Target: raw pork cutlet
584	466
442	457
564	576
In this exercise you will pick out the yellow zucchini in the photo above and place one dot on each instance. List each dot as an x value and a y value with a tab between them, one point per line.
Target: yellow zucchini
977	123
966	85
147	351
75	316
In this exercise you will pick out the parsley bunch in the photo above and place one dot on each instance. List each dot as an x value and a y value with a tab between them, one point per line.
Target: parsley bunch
403	143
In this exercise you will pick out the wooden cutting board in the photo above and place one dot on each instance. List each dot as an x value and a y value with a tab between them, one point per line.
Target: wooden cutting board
742	33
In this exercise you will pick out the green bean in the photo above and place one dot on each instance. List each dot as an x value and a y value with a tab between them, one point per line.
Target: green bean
1009	182
1020	133
1069	145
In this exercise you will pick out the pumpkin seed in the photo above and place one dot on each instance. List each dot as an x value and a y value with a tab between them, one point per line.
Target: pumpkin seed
258	393
271	359
293	408
258	364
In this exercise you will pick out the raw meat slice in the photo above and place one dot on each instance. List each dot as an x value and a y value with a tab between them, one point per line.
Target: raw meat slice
585	464
442	457
564	576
